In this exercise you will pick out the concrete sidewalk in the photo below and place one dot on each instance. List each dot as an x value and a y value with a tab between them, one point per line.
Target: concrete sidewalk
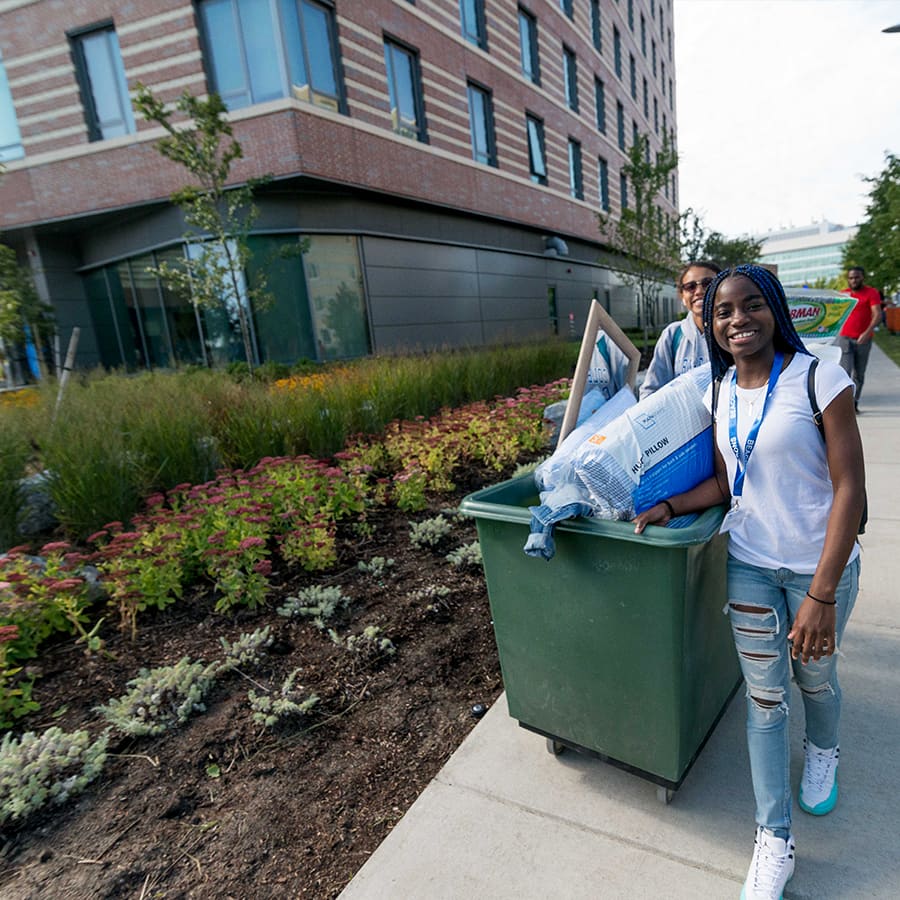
506	819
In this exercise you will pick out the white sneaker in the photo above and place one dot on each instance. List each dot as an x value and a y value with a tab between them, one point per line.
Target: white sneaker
819	787
771	867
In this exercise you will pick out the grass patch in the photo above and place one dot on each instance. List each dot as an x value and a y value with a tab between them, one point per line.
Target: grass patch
890	343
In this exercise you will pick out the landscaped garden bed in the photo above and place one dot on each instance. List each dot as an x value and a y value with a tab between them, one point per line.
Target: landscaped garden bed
277	669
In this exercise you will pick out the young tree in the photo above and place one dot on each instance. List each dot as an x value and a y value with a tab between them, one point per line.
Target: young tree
219	218
643	234
876	246
20	305
698	243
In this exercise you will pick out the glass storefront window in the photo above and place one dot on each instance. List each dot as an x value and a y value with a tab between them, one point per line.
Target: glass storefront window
337	303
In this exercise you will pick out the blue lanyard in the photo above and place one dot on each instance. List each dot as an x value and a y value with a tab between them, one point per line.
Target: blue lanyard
743	456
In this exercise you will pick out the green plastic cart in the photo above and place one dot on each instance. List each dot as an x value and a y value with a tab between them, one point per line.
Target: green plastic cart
618	646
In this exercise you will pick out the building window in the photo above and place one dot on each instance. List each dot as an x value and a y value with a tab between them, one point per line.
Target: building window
528	46
567	7
646	100
258	51
631	14
570	64
662	79
623	190
405	90
632	74
620	124
603	173
101	79
10	137
671	101
643	35
471	14
576	188
596	30
481	124
661	25
653	57
600	98
665	126
656	115
617	52
536	157
669	33
634	132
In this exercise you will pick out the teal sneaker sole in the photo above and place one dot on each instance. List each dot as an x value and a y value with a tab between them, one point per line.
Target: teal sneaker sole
823	808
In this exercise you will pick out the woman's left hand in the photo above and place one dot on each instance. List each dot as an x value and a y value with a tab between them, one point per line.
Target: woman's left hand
813	632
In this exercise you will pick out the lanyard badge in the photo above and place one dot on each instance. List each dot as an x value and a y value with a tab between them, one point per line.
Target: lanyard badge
742	454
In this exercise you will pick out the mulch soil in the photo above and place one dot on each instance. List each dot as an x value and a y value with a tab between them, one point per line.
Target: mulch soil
224	808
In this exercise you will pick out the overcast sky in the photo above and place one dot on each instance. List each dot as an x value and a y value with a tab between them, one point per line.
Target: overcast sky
782	106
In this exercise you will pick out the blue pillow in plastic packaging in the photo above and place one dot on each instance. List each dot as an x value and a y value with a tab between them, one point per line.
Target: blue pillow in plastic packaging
659	447
590	403
557	469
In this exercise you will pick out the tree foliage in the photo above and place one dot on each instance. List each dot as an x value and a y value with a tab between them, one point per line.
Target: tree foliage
698	243
643	234
219	218
876	245
20	304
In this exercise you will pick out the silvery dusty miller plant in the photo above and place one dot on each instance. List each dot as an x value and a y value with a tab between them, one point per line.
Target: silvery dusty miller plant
467	555
50	767
376	566
269	710
315	602
368	643
429	532
160	698
248	650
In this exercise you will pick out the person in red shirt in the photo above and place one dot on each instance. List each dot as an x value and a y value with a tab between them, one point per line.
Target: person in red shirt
855	339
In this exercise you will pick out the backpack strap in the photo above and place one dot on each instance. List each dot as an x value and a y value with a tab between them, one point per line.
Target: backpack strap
811	392
676	340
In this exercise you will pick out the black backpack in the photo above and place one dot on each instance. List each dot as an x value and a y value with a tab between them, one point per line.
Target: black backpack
817	418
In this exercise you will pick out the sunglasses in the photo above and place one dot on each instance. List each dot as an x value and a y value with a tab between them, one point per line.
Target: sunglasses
691	286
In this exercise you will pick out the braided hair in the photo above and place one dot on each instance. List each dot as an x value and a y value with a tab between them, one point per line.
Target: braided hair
786	338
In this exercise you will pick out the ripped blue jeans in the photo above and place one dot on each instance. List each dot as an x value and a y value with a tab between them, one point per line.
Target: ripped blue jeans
761	642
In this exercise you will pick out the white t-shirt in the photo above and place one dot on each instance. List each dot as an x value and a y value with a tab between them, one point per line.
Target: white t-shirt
787	493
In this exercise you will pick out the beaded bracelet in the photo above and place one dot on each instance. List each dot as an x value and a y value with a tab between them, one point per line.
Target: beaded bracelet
811	597
669	507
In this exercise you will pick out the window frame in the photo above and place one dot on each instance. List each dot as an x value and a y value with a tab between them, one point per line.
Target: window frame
392	43
576	175
474	32
603	183
623	191
632	75
620	124
617	52
490	154
570	77
600	104
596	26
76	38
15	149
530	20
288	90
538	136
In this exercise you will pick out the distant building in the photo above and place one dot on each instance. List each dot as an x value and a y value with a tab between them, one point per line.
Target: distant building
441	163
805	254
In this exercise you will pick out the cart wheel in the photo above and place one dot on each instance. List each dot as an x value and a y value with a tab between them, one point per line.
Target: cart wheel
664	795
555	747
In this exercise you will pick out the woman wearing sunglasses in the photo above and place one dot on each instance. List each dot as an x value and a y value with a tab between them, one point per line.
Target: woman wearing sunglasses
682	346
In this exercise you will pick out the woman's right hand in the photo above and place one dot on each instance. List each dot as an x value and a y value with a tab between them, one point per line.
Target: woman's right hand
656	515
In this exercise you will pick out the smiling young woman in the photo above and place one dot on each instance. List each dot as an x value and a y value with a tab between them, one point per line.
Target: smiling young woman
682	346
793	559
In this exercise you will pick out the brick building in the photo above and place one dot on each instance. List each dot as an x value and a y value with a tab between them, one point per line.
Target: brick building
443	161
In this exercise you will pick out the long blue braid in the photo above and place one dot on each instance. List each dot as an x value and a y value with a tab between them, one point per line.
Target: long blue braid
786	338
